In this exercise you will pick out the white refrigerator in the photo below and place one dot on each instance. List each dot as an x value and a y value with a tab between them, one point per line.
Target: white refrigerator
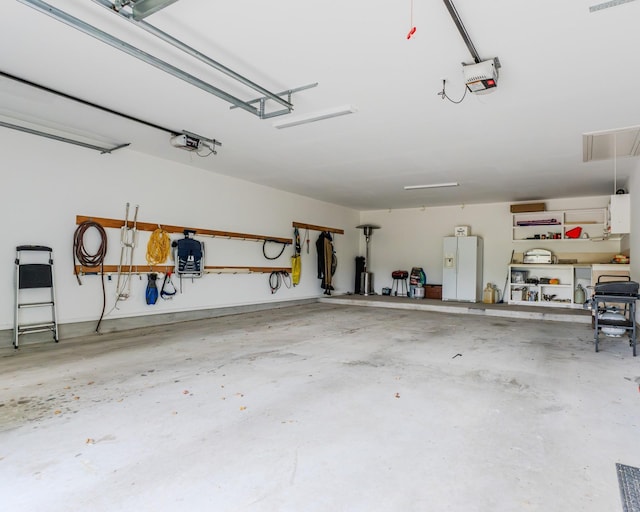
462	268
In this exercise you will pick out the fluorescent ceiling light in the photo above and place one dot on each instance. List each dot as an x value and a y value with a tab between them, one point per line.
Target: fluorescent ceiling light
312	117
433	185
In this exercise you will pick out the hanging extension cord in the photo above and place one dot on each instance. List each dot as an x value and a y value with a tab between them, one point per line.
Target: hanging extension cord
443	93
276	279
158	247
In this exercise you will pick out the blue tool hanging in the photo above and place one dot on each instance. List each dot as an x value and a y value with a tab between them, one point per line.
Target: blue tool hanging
151	293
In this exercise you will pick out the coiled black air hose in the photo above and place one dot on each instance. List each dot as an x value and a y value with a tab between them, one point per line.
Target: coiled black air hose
86	259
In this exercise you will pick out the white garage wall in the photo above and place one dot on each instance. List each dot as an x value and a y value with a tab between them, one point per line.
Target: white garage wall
46	184
413	238
634	239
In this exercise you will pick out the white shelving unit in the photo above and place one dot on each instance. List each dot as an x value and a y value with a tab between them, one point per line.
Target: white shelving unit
543	294
553	225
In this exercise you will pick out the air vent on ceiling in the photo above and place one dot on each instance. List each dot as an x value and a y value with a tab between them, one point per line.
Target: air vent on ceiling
610	144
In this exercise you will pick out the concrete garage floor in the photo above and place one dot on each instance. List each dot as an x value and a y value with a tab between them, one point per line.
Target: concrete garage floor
321	408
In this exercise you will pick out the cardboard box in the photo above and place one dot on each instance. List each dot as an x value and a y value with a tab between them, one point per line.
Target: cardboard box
433	291
528	207
462	231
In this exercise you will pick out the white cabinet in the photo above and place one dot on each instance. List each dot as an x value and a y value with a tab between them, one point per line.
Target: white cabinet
559	225
620	214
546	285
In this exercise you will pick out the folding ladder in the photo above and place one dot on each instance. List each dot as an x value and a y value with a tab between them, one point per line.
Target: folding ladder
30	276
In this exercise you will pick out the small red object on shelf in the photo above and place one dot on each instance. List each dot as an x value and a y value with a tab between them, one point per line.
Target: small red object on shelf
574	233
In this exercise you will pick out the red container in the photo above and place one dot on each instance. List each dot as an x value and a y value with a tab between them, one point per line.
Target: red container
574	233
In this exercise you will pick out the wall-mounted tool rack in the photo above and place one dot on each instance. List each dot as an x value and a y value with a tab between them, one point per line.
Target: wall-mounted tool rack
244	270
313	227
163	269
148	226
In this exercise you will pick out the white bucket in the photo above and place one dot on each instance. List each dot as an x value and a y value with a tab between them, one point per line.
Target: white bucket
418	292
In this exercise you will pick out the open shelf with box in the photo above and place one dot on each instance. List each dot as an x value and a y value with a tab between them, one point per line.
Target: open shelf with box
590	223
537	225
543	284
559	225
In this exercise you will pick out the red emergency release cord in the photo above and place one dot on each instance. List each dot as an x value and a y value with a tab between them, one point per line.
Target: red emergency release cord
412	30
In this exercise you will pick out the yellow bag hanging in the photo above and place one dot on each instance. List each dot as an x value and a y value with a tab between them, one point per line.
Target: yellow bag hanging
296	265
296	261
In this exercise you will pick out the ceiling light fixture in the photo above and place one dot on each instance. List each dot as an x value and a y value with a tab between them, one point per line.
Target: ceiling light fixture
433	185
312	117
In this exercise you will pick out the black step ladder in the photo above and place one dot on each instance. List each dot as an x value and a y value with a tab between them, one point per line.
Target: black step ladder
29	276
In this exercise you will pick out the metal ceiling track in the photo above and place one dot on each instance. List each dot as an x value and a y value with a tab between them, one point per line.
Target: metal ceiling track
165	66
465	35
143	8
607	5
287	93
463	31
268	95
212	142
59	138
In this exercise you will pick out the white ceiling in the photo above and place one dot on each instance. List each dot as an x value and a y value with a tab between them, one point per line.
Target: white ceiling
565	72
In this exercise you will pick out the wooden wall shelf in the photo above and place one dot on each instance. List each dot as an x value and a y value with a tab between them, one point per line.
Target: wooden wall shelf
148	226
313	227
241	270
148	269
